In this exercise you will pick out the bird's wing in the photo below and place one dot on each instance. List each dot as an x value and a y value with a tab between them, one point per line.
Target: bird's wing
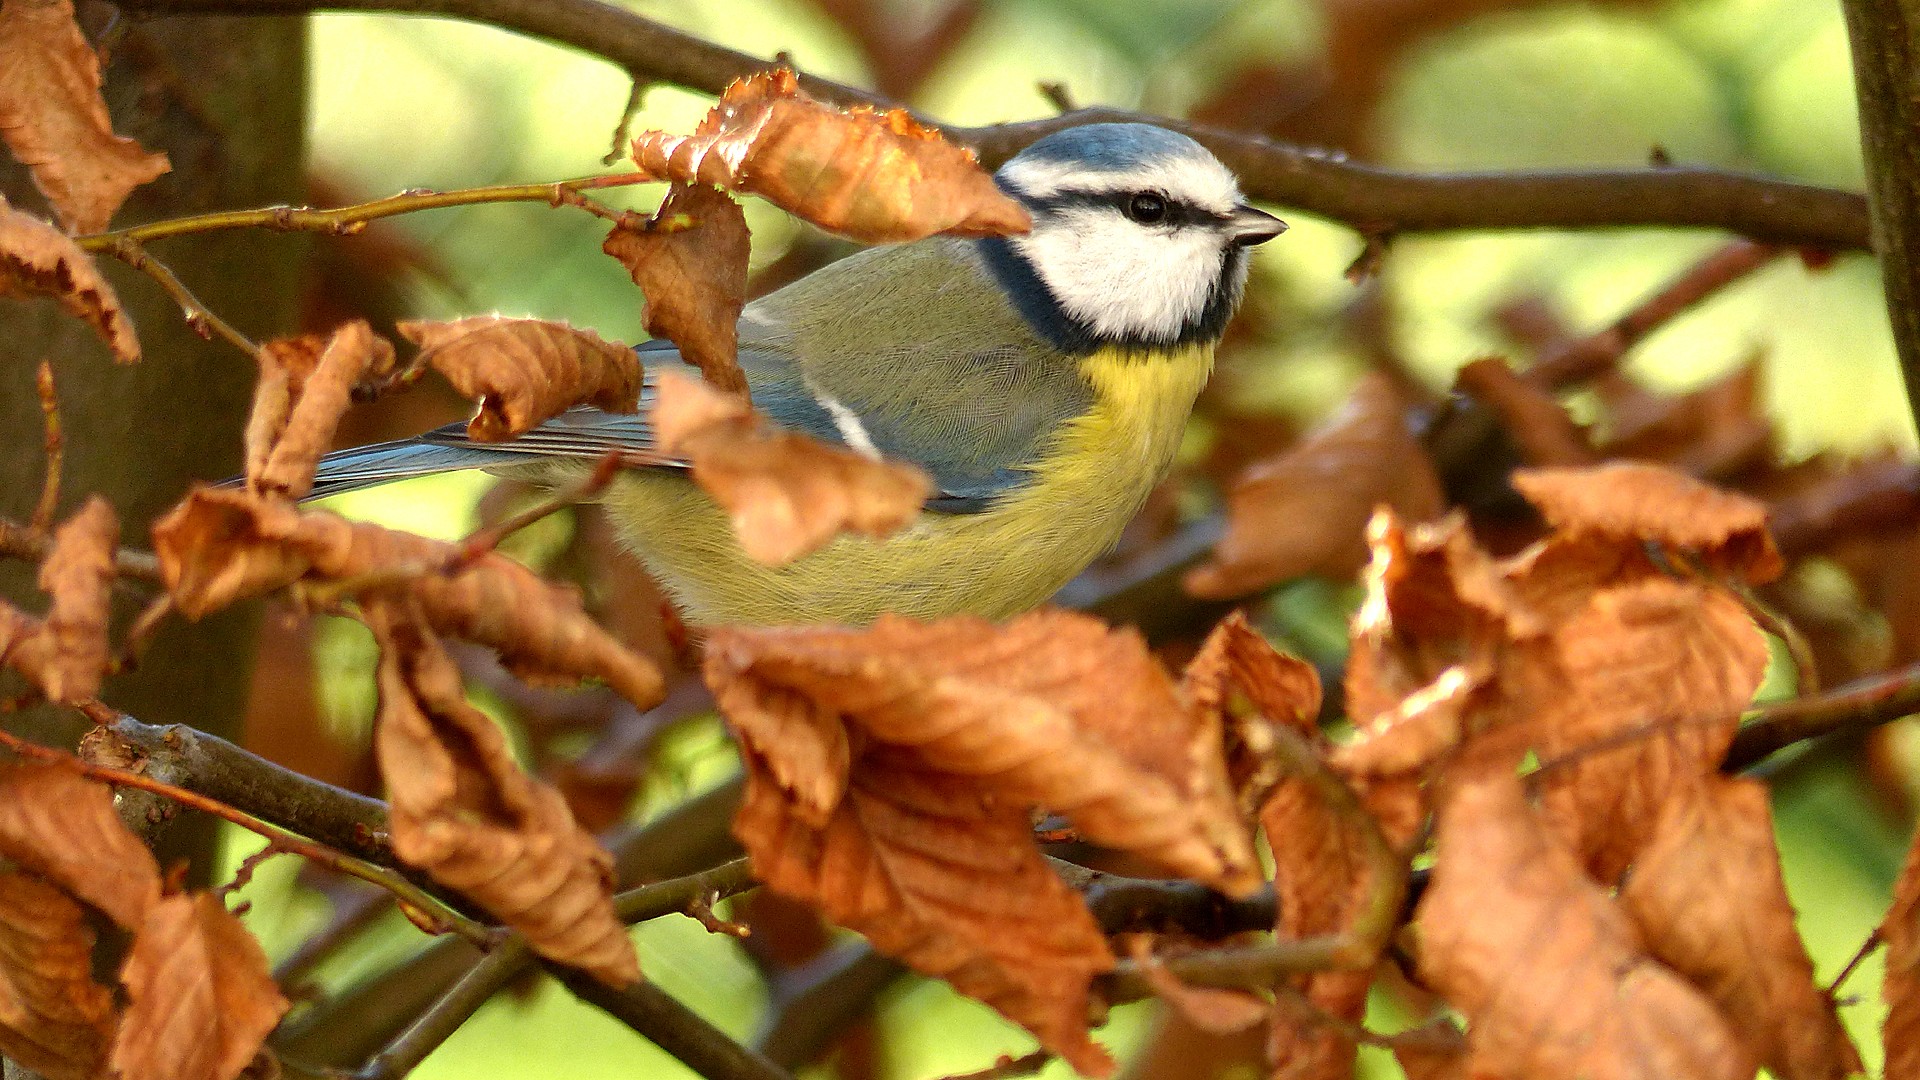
910	351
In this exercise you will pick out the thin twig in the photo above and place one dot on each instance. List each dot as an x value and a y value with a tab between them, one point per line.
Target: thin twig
1008	1067
454	1008
1806	672
1859	956
646	902
1584	358
200	318
666	1022
1372	200
55	448
25	543
346	220
1855	706
623	129
486	538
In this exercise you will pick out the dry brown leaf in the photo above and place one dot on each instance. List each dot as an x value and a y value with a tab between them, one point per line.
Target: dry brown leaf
1440	623
875	177
78	574
523	372
299	401
1531	416
1900	987
1666	654
66	655
37	259
463	811
1322	877
1250	686
1442	649
1211	1009
54	1019
1716	430
62	827
54	120
690	261
1716	840
1051	708
1549	972
202	998
787	494
1305	510
219	546
947	880
1631	503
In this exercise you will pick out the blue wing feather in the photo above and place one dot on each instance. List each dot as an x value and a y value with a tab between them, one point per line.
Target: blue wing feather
586	432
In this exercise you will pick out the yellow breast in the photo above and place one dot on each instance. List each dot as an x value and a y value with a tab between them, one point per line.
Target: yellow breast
1090	480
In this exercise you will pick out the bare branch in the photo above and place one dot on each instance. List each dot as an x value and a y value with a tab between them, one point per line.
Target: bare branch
666	1022
1372	200
25	542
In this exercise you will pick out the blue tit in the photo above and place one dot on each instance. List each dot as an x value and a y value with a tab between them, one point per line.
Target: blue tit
1043	380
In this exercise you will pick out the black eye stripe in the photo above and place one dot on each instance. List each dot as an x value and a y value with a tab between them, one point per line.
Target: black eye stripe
1178	212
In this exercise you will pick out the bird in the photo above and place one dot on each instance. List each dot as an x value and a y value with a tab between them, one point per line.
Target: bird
1043	380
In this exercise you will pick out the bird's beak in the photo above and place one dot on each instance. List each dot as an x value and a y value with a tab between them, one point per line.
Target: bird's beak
1248	226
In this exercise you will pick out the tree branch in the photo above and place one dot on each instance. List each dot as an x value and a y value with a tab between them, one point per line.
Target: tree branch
1886	43
667	1023
1373	200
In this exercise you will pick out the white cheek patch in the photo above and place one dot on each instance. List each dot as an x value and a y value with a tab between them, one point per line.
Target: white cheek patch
1121	279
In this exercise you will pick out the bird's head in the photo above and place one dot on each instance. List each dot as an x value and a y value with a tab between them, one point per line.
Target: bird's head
1139	238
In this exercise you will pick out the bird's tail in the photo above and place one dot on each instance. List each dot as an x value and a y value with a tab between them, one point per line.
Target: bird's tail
380	463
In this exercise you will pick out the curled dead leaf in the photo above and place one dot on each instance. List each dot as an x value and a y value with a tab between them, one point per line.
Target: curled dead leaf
1052	708
891	770
1548	971
1664	665
54	1019
690	261
1323	875
875	177
1900	987
1250	686
1634	503
523	372
54	120
1715	839
202	1000
463	811
787	494
945	880
63	828
37	259
1305	510
78	574
1211	1009
303	391
220	546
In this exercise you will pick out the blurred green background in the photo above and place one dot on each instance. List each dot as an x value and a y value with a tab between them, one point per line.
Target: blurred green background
1752	84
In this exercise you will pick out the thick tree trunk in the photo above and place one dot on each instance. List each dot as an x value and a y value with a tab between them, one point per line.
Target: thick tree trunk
225	98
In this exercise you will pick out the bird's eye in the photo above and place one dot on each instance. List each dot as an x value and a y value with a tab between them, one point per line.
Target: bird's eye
1147	208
